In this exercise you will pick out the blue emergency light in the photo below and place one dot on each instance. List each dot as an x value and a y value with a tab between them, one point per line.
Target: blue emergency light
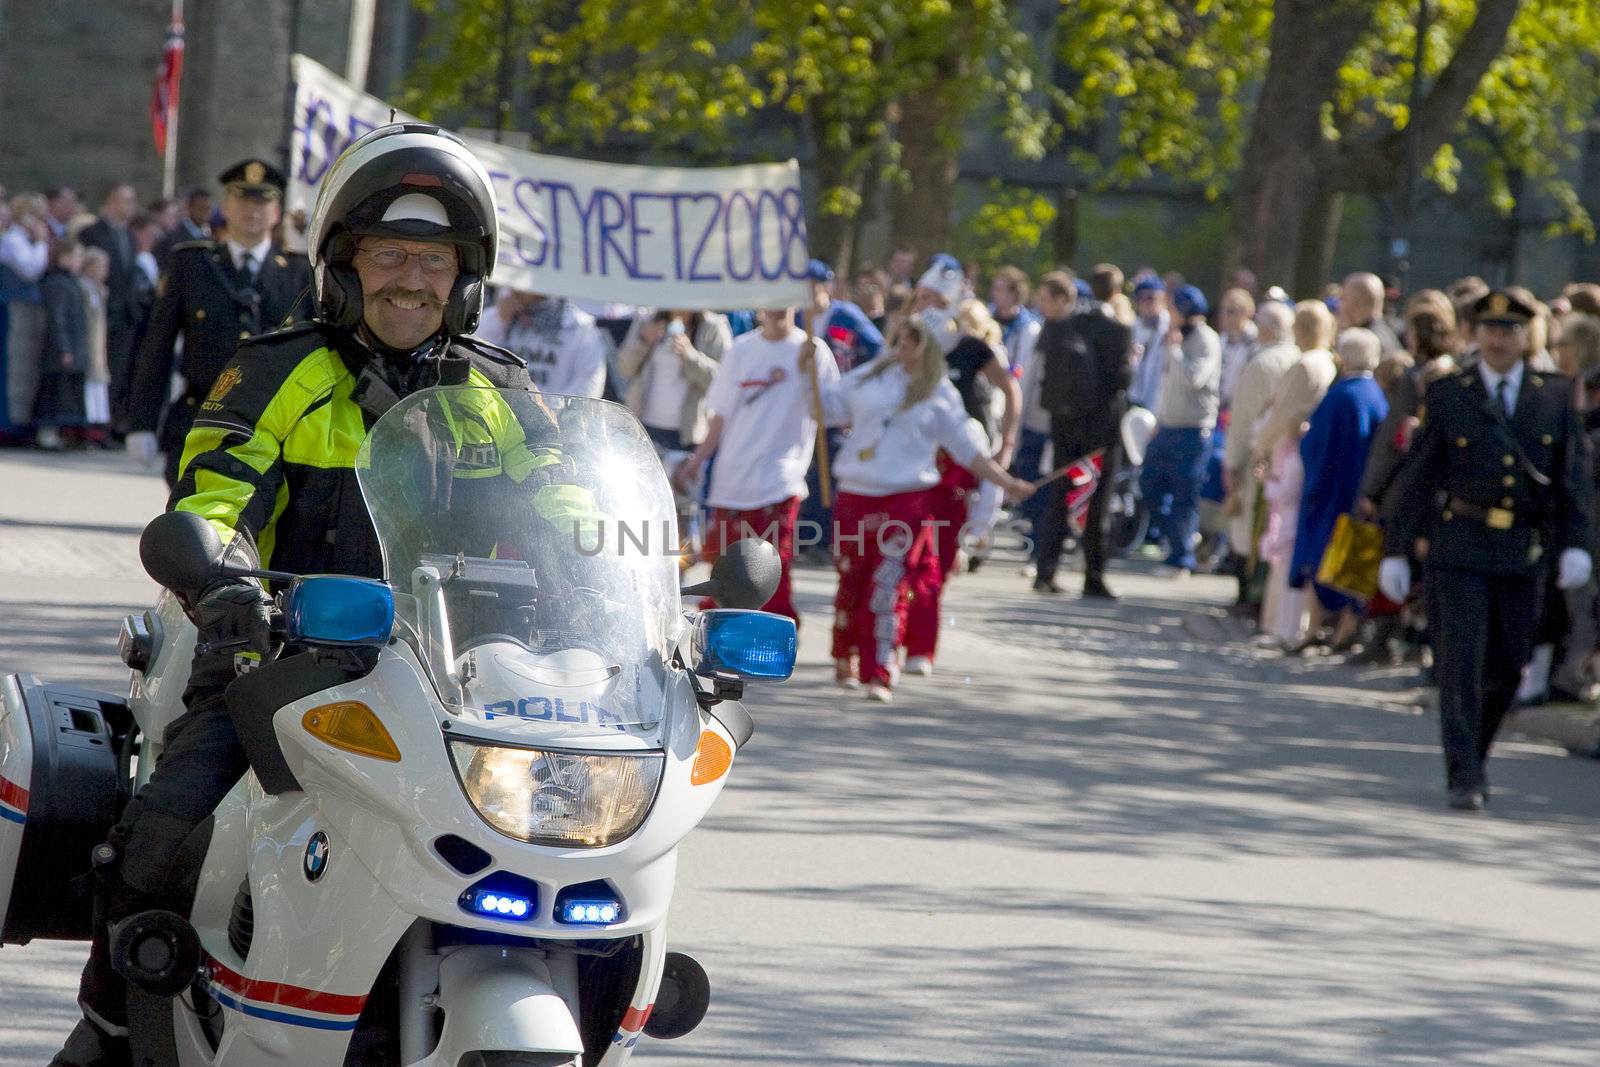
331	609
754	645
589	904
503	895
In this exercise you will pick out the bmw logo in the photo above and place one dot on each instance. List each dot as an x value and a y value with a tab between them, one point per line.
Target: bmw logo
316	863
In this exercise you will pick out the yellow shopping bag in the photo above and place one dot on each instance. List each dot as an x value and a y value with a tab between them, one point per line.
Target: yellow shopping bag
1350	564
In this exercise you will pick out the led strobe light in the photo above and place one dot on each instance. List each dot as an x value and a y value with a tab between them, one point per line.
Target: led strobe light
500	905
597	911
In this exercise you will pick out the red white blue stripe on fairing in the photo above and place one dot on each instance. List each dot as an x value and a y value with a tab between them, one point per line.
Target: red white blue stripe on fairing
633	1021
282	1003
13	801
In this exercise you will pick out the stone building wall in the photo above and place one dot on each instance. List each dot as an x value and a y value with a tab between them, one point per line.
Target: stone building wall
76	75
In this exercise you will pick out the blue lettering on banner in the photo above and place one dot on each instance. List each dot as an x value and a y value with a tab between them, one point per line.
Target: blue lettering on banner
530	188
498	179
705	236
584	212
639	229
728	242
677	235
607	199
620	232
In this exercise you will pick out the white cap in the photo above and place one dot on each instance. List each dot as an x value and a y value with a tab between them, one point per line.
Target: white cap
947	281
417	207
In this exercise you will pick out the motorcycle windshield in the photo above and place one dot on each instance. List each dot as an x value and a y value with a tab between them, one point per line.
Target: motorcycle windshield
532	545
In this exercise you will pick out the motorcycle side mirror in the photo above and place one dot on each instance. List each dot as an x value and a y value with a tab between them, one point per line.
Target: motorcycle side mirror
744	576
181	551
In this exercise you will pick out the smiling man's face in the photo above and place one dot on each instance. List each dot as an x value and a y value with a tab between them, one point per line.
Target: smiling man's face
404	285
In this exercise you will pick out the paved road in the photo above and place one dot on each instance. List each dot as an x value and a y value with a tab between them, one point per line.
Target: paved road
1096	837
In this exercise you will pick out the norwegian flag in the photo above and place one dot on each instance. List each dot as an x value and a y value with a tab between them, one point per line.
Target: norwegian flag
1083	478
164	95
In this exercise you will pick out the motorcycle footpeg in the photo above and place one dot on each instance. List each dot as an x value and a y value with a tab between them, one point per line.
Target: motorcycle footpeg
682	1000
156	951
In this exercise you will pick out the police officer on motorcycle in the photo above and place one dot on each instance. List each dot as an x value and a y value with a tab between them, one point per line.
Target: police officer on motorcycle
402	242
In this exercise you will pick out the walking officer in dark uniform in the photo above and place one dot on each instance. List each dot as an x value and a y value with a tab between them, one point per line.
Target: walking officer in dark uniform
214	294
1492	491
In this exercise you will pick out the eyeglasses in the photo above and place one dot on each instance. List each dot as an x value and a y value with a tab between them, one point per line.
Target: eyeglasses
389	257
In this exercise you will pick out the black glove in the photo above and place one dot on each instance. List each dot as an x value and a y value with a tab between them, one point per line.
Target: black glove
233	620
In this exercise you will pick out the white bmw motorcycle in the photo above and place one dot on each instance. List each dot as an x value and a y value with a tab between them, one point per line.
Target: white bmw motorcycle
457	841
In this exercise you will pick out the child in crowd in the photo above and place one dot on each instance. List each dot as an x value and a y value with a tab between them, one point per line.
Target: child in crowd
97	379
64	356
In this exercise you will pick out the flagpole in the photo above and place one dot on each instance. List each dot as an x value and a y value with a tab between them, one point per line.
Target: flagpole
169	167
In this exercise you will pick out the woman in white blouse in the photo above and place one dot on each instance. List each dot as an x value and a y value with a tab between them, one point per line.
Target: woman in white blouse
901	410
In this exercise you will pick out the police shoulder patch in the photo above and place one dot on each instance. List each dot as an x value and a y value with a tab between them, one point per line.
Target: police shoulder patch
225	383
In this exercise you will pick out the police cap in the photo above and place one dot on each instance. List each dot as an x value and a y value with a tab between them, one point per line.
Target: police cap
1502	308
254	177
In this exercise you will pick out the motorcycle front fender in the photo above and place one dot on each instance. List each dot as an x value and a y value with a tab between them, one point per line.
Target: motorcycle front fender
505	1000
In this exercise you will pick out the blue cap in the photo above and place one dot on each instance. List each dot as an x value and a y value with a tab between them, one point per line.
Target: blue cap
1190	301
1149	285
819	271
1084	292
944	261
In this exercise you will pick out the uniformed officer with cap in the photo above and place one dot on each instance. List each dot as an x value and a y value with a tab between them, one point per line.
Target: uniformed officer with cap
214	294
1492	491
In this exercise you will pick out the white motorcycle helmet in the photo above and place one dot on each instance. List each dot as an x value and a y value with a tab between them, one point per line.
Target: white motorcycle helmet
410	180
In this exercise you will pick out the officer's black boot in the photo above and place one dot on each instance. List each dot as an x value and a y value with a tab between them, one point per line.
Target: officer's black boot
89	1046
101	1036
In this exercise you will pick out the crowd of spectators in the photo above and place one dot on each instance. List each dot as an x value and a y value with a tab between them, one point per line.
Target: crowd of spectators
76	289
1257	423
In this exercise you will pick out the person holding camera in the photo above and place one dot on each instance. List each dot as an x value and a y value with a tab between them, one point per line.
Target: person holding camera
669	359
1186	416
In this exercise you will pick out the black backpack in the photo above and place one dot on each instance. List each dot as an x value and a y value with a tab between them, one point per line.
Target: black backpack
1071	381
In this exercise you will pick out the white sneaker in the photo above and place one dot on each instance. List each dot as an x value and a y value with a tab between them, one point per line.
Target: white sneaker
844	675
881	693
49	438
919	665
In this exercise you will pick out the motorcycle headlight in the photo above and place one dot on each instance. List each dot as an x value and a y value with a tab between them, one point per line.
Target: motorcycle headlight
558	798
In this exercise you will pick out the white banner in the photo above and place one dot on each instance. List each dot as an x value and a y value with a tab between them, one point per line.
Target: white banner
714	238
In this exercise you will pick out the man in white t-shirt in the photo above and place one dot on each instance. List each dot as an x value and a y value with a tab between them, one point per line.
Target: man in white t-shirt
564	349
762	426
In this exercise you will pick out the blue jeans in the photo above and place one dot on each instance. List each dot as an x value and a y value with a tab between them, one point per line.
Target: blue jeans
1174	468
1025	465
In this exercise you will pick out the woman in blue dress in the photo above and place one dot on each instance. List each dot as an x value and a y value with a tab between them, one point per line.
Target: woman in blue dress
1334	451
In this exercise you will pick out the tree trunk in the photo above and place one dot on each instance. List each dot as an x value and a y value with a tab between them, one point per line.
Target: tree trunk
930	143
1314	265
1281	196
1292	182
831	236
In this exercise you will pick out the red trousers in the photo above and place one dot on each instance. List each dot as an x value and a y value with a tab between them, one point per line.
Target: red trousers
883	563
947	506
773	524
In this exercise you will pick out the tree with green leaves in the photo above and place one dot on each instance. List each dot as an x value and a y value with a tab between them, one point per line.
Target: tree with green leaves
1296	104
881	89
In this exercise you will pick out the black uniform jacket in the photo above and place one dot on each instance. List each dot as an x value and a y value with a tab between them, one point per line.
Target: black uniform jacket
1098	371
1492	494
212	306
